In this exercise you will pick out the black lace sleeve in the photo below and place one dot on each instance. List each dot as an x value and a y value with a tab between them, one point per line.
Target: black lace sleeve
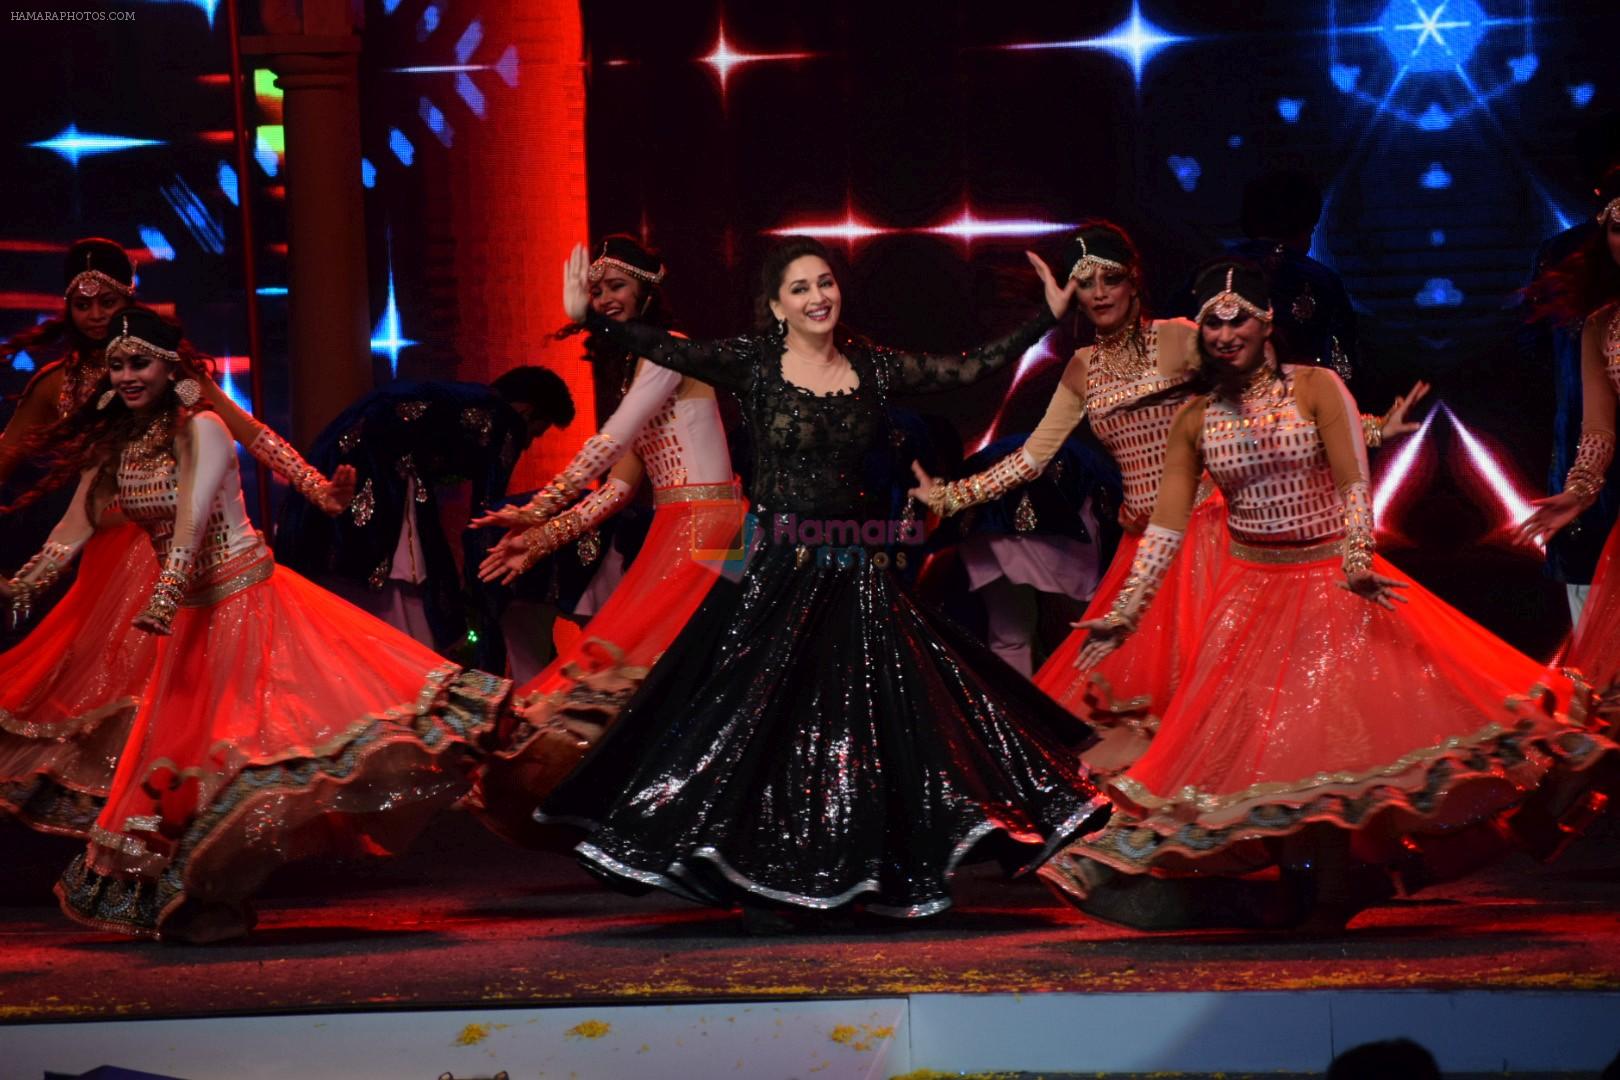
727	363
914	373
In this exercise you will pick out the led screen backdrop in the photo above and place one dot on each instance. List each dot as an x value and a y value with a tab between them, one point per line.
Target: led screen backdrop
930	142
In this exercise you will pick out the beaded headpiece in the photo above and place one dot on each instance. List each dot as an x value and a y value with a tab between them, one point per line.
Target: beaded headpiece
1610	213
625	255
145	332
1228	303
1100	246
95	266
1089	261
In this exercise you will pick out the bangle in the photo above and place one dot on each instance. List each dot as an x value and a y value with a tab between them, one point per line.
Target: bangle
1359	542
1372	431
1005	475
165	601
1592	457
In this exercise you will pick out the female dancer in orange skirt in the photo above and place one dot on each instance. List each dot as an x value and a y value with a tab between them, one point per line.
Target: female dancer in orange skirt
278	721
668	426
1134	358
1588	286
1331	712
69	690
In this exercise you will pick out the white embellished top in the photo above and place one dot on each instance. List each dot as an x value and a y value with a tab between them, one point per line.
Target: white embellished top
186	493
1133	435
1271	464
679	440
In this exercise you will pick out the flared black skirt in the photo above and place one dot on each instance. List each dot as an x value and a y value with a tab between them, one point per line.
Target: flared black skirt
814	739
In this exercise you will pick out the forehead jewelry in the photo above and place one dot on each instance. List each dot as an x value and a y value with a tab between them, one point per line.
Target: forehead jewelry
1227	303
89	282
126	343
599	269
1088	262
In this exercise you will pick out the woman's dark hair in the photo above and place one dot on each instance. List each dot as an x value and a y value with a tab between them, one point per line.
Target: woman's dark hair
43	336
772	270
97	254
94	433
1584	281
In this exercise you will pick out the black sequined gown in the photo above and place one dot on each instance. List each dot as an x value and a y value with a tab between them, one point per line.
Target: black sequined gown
812	738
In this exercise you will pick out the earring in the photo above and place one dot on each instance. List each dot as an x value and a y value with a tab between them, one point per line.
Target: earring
105	399
781	329
189	391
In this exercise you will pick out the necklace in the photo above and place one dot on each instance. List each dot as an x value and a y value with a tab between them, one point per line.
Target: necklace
153	448
1264	387
81	374
826	376
1125	352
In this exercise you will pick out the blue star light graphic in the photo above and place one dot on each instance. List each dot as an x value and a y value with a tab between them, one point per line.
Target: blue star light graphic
74	144
1432	35
389	338
1136	41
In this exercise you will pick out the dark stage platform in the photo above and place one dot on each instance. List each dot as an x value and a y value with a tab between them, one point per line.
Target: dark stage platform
466	919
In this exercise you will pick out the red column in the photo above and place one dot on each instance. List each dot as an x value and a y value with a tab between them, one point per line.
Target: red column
518	195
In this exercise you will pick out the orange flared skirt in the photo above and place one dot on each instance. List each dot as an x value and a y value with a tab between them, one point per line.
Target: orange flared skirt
1304	703
281	722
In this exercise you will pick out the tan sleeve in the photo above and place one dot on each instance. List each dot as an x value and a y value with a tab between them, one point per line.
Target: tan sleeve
628	469
206	454
1322	398
1183	466
1597	395
1595	452
36	409
1063	414
1178	346
70	535
243	428
1074	374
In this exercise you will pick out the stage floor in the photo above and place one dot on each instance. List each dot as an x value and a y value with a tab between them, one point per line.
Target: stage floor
467	919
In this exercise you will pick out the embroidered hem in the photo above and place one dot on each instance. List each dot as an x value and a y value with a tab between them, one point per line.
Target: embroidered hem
68	728
135	898
1513	759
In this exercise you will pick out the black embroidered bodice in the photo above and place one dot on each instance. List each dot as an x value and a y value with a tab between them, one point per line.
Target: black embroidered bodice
809	449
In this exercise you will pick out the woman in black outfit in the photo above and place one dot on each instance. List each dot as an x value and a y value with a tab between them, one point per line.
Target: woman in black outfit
812	738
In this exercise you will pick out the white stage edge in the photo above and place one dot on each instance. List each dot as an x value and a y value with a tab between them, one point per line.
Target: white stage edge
847	1039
